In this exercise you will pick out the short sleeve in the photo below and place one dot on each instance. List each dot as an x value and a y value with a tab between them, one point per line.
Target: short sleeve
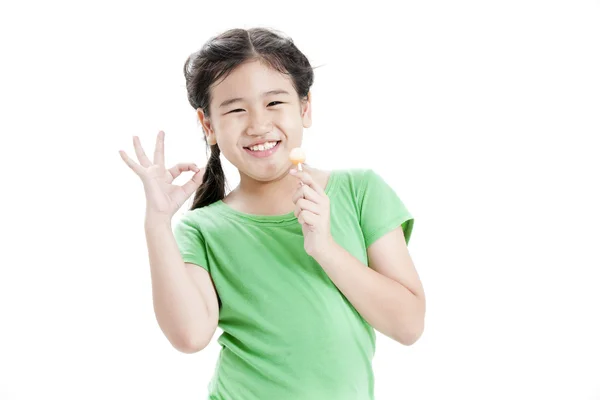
190	242
381	209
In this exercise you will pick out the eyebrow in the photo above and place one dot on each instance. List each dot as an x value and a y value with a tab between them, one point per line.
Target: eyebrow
265	94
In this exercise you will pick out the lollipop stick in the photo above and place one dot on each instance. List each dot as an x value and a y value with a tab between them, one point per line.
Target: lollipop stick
300	170
297	157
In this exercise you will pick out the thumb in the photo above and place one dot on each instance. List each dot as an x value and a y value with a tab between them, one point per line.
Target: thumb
194	183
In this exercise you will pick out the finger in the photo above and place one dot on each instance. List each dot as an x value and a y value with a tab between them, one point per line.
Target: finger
194	183
306	192
306	205
307	179
307	218
132	164
139	151
182	167
159	149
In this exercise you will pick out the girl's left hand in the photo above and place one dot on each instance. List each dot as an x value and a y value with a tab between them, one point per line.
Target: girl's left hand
312	211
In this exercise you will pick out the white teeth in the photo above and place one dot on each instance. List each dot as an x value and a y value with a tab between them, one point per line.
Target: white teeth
263	146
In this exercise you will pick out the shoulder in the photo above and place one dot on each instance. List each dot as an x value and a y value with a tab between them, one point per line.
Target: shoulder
366	188
198	219
355	180
379	206
357	175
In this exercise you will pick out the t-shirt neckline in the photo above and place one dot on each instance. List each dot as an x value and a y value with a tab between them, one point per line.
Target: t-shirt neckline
282	219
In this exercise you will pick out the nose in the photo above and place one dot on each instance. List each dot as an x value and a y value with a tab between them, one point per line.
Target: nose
259	124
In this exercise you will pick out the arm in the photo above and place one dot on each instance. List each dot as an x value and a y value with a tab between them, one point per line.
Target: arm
389	294
184	297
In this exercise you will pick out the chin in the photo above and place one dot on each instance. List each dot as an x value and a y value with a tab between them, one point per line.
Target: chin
270	174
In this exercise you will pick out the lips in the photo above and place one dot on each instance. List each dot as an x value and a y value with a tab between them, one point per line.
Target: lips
266	149
263	145
261	142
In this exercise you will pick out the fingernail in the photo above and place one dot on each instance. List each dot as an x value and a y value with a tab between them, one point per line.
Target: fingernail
293	171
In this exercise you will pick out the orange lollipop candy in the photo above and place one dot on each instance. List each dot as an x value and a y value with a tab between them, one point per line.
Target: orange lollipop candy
297	157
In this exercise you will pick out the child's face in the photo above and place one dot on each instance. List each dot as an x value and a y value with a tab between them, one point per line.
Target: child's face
267	109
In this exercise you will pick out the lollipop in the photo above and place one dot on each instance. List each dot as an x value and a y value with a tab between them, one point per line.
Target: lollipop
297	157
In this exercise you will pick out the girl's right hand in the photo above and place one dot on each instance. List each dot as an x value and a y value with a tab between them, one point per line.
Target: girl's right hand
162	197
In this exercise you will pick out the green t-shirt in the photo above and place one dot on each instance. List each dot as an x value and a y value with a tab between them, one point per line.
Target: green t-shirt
288	332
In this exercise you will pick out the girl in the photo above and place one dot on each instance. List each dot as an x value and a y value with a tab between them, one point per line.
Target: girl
296	267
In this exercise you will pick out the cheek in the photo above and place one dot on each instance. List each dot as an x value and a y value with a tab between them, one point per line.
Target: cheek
288	122
227	124
227	142
226	130
229	150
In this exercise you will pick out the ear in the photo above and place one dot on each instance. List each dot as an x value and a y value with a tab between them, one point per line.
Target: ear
306	110
207	127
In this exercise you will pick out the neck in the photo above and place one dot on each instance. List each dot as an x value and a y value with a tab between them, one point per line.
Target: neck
267	198
253	189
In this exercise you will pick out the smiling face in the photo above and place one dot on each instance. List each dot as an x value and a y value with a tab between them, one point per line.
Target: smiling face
256	118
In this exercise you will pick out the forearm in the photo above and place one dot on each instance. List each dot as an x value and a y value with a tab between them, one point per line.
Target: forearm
385	304
180	309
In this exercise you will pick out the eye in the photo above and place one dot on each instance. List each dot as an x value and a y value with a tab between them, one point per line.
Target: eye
275	103
235	111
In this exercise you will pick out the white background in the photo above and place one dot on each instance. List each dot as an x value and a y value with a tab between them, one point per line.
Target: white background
483	116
